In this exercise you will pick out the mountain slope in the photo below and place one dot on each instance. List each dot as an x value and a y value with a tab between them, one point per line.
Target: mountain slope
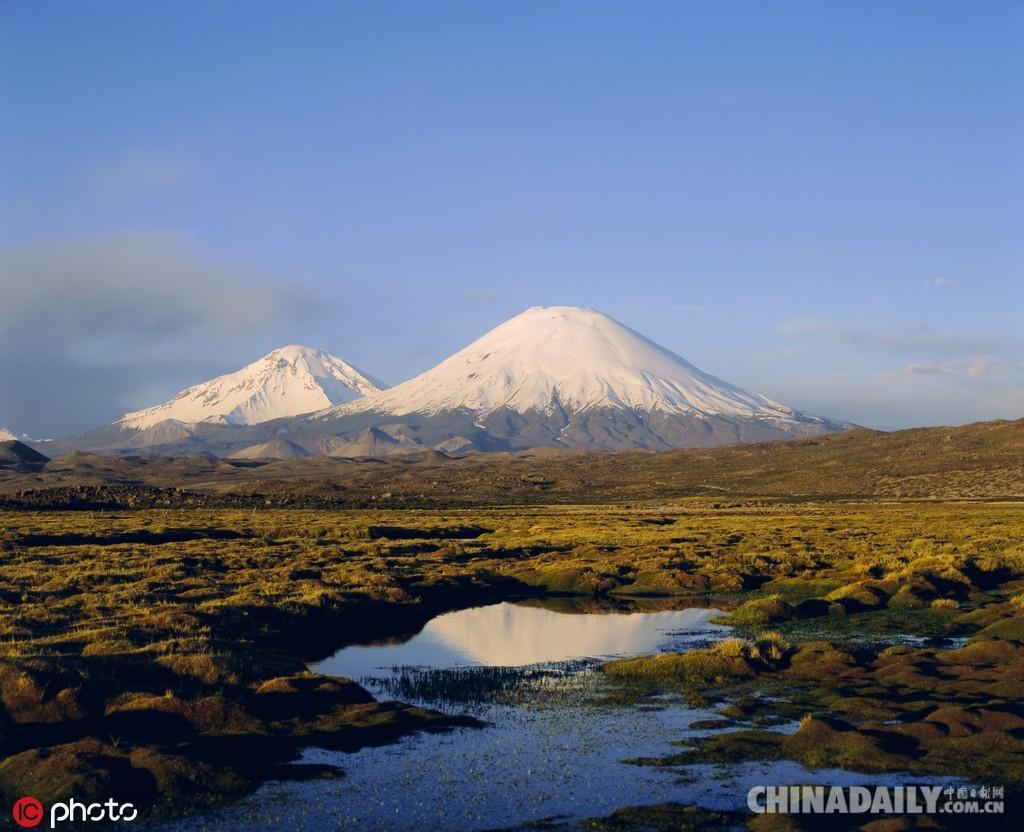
6	435
276	449
286	382
20	456
568	377
565	357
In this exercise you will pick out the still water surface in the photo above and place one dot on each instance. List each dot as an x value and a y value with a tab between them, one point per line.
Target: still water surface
552	747
517	635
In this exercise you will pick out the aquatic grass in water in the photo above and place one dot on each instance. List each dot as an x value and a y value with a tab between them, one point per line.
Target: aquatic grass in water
474	687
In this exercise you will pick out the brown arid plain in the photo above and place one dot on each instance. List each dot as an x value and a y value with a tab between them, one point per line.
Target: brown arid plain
157	616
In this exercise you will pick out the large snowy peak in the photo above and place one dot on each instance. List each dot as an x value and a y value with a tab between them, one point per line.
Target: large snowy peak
570	359
289	381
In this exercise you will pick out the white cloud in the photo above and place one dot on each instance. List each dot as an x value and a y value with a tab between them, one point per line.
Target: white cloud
891	401
88	326
981	367
912	339
142	283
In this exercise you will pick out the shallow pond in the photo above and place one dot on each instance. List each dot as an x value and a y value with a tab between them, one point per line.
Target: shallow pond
552	747
519	635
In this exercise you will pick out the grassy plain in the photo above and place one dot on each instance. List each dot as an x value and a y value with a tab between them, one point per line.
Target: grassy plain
159	655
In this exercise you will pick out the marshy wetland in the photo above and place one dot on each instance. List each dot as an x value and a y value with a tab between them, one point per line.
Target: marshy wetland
187	659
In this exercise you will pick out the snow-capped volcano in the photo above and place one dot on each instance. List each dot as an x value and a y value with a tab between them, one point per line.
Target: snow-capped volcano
286	382
6	435
562	376
568	359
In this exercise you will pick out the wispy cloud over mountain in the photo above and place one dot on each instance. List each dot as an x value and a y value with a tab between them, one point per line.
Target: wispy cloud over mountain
151	284
979	368
89	326
911	339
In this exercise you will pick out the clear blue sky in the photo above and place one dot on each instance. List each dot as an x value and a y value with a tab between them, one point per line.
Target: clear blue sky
820	201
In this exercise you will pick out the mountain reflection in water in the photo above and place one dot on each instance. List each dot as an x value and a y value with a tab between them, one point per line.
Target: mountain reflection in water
515	635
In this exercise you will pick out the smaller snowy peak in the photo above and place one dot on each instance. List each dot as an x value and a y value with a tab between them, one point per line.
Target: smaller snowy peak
289	381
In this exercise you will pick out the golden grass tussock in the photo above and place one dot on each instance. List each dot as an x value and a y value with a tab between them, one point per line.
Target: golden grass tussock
729	659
